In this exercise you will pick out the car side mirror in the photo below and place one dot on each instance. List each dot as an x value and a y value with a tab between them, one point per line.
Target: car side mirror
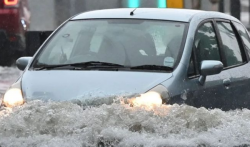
23	62
209	67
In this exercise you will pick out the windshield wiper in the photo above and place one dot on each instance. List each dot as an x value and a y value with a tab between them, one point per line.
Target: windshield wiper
96	64
152	67
90	64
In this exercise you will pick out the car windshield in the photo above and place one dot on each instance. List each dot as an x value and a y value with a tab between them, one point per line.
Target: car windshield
126	42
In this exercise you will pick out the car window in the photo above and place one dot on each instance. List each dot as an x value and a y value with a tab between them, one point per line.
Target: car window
230	44
121	41
244	36
206	44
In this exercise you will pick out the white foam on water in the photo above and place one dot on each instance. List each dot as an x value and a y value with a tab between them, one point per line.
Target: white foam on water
65	124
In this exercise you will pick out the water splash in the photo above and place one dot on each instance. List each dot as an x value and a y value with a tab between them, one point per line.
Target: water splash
66	124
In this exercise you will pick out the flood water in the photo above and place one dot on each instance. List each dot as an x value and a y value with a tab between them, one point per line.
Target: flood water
64	124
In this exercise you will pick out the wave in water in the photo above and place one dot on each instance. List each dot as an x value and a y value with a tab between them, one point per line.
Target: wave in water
66	124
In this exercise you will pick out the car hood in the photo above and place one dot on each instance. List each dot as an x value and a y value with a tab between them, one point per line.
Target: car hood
61	85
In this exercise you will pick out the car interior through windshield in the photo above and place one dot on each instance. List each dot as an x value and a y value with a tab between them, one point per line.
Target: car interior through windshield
121	41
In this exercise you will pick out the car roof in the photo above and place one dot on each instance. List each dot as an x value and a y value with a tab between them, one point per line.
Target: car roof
182	15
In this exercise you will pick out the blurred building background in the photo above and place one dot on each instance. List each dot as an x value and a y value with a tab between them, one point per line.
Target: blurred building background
48	14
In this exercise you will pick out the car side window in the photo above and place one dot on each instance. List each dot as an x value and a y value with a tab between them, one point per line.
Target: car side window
205	44
244	36
230	44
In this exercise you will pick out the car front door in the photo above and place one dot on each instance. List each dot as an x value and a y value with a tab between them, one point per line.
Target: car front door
235	45
212	93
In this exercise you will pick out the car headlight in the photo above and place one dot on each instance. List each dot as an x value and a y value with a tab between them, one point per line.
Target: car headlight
150	98
154	97
13	97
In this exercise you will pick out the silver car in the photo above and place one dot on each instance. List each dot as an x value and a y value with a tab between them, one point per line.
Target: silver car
153	56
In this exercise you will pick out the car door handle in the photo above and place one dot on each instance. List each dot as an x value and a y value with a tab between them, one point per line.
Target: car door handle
226	82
